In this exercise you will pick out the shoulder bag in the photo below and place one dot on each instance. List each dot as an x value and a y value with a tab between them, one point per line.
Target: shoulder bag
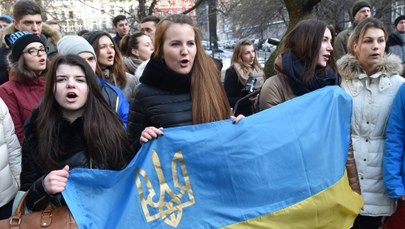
49	218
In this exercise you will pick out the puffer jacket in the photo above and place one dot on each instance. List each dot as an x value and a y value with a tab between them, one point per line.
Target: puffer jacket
372	99
10	157
162	99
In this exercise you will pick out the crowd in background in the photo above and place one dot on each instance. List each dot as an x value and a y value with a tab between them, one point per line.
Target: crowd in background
91	100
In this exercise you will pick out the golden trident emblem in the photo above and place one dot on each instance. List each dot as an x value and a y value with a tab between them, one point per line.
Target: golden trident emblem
169	206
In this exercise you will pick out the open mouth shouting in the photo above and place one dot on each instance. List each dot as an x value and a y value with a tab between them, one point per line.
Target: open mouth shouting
184	63
71	97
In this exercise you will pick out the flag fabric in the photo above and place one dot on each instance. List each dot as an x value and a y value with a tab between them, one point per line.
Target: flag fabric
280	168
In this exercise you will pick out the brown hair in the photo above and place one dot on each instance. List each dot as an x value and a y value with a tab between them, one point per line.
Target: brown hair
21	73
304	41
150	18
104	134
117	69
358	33
25	7
209	101
118	18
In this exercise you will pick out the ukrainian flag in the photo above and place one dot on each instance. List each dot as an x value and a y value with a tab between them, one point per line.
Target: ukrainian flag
280	168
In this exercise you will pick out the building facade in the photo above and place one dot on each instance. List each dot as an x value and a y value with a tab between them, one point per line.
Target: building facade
76	15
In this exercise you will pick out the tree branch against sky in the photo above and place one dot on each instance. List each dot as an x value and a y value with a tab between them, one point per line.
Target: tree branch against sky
196	4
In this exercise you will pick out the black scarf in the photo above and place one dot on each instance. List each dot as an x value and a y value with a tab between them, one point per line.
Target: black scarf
295	69
158	75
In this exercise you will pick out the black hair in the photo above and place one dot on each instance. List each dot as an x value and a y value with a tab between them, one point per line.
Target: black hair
117	19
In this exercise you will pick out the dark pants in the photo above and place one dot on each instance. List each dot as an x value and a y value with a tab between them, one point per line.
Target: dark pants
5	211
368	222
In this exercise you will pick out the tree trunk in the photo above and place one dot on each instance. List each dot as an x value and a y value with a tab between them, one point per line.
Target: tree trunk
141	9
212	19
297	11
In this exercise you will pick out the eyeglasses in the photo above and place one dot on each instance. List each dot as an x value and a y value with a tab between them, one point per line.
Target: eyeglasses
35	51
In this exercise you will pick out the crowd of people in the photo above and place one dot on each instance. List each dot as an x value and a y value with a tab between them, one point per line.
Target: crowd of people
91	100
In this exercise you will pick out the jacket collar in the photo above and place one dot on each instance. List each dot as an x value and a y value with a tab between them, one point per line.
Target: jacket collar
349	67
351	72
158	75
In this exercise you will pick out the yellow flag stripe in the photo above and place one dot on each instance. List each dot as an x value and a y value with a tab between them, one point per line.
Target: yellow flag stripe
335	207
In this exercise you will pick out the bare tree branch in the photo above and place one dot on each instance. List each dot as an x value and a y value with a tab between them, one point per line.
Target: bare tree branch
196	4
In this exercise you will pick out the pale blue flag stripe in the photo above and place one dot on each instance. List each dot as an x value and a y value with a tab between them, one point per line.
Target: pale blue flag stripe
223	173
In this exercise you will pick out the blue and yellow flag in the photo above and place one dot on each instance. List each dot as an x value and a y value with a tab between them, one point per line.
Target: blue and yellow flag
280	168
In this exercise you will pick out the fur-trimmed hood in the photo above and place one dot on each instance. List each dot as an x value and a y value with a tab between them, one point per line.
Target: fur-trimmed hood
47	31
349	67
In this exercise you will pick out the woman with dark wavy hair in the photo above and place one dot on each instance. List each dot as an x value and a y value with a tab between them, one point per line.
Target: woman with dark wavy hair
306	63
179	86
73	127
110	65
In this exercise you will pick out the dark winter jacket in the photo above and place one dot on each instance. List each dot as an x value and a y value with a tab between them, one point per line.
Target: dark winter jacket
233	87
117	39
33	172
340	45
396	45
162	99
4	51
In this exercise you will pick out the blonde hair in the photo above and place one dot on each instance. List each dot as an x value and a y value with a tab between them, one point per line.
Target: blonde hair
209	101
237	56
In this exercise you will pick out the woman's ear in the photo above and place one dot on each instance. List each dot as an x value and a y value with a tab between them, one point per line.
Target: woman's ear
135	52
354	47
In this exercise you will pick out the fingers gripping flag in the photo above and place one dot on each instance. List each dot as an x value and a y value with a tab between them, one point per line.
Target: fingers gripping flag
280	168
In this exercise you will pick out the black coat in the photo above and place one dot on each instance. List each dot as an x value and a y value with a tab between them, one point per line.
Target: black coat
162	99
233	88
4	67
33	171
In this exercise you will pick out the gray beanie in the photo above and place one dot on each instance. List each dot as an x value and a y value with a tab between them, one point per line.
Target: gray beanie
74	44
